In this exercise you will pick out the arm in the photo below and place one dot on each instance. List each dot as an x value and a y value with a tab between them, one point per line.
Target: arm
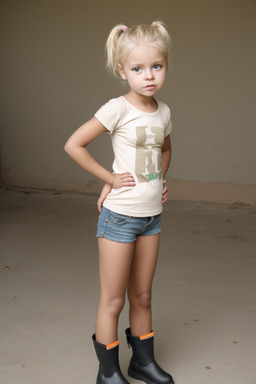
76	149
166	159
105	191
166	155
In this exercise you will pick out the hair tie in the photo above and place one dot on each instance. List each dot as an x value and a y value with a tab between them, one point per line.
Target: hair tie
154	23
125	28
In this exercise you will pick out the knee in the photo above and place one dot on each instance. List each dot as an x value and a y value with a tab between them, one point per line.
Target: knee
114	305
142	299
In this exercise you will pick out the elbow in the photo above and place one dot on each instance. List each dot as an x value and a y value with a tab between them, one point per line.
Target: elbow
67	147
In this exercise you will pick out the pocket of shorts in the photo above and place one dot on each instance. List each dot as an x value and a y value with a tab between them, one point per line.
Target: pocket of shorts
117	219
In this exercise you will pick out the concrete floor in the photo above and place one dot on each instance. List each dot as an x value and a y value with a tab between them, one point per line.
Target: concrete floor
204	291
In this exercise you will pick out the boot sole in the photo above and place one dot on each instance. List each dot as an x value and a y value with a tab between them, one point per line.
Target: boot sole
137	376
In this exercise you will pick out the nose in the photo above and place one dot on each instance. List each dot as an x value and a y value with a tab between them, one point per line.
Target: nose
149	74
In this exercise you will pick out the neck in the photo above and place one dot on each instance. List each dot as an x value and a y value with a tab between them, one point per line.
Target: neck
145	103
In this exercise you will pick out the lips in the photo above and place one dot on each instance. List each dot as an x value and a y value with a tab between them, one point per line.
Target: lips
150	86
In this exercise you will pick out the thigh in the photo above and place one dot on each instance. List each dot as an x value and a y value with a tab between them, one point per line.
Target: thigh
143	264
114	266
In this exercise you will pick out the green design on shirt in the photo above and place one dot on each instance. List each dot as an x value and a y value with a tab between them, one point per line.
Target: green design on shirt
154	175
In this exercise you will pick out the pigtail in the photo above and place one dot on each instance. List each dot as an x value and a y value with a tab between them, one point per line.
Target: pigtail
111	45
164	37
163	31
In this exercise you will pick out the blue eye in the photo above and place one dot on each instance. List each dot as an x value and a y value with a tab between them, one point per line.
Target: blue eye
136	69
157	67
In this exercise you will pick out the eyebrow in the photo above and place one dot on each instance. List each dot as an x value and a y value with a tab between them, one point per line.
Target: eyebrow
139	65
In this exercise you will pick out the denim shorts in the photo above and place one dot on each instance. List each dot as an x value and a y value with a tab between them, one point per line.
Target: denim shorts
125	229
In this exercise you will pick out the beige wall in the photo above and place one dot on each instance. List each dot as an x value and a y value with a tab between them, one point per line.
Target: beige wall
53	79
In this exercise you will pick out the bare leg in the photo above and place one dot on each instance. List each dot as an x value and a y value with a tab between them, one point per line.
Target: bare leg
114	266
140	283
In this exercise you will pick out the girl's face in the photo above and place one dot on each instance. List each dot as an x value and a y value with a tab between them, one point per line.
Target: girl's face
144	69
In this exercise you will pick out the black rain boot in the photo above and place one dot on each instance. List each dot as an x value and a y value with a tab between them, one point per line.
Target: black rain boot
143	365
109	369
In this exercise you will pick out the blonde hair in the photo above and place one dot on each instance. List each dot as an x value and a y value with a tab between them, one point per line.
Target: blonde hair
122	40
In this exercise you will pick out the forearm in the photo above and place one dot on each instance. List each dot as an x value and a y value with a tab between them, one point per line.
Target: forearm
84	159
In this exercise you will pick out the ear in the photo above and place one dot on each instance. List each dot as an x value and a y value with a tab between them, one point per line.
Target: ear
121	72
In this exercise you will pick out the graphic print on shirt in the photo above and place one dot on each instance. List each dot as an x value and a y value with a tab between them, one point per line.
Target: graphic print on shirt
149	141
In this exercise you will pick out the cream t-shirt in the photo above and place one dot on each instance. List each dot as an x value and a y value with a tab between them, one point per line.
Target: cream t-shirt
137	138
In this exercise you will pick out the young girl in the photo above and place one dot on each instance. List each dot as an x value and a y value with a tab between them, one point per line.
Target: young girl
130	203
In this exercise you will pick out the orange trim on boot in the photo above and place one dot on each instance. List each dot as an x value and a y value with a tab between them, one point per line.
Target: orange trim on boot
147	336
112	345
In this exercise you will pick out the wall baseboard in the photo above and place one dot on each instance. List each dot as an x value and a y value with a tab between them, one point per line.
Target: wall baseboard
229	193
225	193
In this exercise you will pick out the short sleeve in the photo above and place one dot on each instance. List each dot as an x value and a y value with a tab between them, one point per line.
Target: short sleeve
110	114
166	113
168	128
